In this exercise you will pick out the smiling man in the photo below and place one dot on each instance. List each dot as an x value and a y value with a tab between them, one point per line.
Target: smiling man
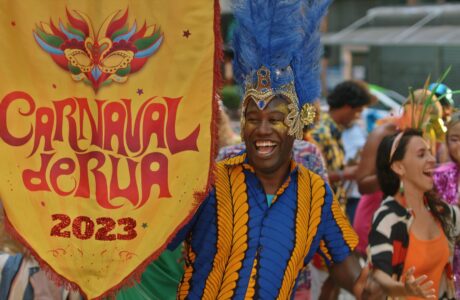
265	219
268	144
267	215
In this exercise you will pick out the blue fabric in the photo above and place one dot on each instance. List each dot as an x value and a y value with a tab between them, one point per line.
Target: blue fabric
204	237
271	234
29	292
9	271
332	234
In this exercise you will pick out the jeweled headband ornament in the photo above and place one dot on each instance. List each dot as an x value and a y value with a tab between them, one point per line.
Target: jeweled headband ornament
277	52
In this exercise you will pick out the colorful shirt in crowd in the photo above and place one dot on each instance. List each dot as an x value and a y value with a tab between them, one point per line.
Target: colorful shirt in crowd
328	135
446	182
389	242
446	179
306	154
161	278
238	247
22	279
14	282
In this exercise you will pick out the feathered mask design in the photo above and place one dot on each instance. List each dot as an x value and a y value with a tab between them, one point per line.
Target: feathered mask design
277	52
101	57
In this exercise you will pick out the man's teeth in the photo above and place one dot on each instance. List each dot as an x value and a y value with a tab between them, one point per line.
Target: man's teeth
265	144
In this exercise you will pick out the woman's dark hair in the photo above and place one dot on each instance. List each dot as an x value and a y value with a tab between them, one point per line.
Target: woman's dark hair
389	181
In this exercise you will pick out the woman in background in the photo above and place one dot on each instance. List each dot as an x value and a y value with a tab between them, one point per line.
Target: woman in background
446	181
368	184
412	224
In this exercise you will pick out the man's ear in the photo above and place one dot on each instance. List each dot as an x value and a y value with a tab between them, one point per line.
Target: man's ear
398	168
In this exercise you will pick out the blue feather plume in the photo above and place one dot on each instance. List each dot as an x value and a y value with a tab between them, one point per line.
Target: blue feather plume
277	34
306	60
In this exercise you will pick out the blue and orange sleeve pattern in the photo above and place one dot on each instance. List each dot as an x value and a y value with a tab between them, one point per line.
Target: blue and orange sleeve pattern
339	239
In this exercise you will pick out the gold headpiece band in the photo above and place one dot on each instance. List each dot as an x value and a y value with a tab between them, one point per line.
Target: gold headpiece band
262	93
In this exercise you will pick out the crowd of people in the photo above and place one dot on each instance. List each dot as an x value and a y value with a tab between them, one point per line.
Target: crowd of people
284	218
407	175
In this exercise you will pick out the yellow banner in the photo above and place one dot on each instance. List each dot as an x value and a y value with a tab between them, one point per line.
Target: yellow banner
106	127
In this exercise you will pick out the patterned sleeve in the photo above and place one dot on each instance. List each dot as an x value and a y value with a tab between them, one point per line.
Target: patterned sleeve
182	234
229	151
445	182
339	238
14	277
317	135
309	155
440	181
380	241
318	163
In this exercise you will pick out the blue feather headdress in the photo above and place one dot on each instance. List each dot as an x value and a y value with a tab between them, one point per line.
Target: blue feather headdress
277	52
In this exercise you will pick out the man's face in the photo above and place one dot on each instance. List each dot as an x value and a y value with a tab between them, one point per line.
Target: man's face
266	136
352	114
